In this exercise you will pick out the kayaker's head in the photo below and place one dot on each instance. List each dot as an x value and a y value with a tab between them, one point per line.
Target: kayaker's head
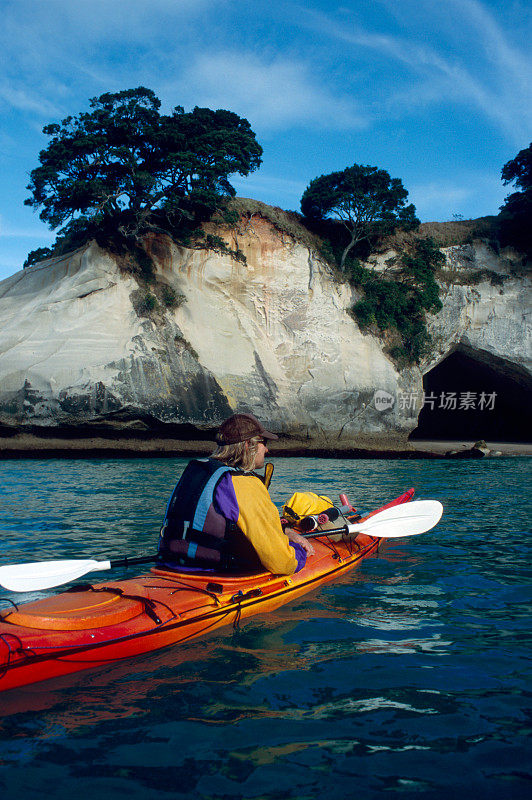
242	442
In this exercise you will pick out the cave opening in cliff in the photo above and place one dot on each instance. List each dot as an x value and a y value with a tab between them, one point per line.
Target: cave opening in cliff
471	396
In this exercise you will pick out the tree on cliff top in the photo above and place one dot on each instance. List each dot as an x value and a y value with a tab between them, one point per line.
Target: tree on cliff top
365	199
515	219
123	165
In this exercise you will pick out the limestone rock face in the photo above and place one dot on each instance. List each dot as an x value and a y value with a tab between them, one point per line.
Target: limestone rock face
271	336
276	335
490	318
73	349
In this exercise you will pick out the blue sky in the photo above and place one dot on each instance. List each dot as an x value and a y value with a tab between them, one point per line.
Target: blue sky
437	92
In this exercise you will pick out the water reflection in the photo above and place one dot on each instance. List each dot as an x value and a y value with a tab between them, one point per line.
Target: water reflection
435	644
350	705
408	675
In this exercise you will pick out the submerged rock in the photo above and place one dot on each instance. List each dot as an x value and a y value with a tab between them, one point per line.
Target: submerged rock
478	450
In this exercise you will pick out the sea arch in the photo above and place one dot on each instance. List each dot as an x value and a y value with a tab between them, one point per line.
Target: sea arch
472	394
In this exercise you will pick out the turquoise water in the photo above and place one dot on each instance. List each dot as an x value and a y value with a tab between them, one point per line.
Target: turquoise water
409	676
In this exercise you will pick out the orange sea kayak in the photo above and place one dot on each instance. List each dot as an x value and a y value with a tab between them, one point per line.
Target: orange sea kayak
95	624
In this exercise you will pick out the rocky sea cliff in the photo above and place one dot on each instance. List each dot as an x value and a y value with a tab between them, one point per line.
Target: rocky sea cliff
82	358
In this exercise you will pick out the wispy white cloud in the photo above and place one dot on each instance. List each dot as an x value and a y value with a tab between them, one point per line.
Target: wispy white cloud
321	90
22	98
496	44
491	74
102	20
52	50
273	93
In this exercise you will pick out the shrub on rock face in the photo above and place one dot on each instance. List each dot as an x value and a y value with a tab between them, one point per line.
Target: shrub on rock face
148	304
169	297
398	305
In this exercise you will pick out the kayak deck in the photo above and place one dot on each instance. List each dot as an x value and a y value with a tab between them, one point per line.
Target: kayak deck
94	624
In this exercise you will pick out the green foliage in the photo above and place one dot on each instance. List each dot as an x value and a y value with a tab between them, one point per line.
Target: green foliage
356	274
515	219
326	250
367	201
77	233
399	305
217	244
519	169
478	276
148	304
124	168
227	214
37	255
419	268
169	297
144	264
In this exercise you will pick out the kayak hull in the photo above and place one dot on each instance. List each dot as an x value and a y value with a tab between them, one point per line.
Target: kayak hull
96	624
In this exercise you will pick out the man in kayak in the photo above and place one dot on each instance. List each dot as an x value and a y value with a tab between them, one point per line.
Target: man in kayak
220	515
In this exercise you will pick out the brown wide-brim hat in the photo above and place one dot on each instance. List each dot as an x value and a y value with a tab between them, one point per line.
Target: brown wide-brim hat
241	428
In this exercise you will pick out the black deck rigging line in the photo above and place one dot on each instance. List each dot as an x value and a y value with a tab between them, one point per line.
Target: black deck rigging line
10	651
148	604
184	639
185	587
192	635
350	542
239	598
8	600
238	615
330	546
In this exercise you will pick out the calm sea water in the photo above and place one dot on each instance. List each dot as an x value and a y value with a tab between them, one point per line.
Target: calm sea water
410	675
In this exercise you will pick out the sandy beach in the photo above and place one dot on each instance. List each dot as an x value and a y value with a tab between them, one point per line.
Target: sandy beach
27	445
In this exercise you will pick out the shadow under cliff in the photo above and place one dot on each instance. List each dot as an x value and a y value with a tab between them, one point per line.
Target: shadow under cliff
472	394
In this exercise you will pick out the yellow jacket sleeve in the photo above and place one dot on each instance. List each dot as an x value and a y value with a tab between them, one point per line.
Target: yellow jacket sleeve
259	522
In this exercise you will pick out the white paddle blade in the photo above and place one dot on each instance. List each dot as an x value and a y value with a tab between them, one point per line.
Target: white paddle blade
408	519
47	574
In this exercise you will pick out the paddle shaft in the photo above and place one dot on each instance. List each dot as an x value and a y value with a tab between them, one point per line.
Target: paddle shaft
343	529
403	520
127	562
408	519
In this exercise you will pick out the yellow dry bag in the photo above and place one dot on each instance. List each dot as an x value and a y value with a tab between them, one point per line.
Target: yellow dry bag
306	504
